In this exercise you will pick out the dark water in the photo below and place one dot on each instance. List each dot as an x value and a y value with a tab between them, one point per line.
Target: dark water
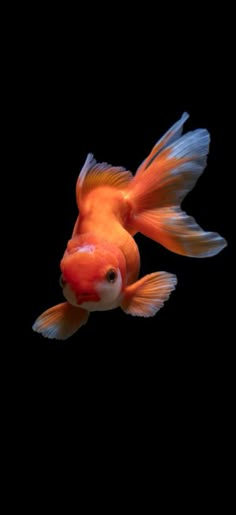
160	386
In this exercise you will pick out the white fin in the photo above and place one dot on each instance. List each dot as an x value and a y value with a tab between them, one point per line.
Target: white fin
169	137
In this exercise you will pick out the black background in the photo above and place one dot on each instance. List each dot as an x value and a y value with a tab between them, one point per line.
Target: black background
113	89
115	97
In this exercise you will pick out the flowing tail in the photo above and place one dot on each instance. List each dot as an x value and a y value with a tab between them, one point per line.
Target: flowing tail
159	186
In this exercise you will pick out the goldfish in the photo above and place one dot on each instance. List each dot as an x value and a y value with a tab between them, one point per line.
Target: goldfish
101	264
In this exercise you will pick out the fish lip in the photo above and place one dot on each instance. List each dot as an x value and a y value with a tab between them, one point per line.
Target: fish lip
87	297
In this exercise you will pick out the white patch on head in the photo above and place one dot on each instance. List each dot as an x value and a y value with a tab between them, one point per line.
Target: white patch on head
86	248
109	293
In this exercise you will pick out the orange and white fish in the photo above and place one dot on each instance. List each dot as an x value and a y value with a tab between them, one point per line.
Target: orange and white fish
100	266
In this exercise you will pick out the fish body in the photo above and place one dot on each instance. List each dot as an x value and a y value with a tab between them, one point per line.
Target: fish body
101	264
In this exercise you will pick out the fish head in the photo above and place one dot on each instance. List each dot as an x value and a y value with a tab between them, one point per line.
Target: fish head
93	274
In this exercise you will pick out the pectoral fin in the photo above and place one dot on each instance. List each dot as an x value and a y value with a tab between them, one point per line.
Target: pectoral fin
60	321
146	296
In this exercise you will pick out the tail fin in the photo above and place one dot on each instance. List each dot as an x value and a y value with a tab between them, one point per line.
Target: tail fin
159	186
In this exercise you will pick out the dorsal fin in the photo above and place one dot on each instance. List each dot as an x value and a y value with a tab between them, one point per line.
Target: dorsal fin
95	174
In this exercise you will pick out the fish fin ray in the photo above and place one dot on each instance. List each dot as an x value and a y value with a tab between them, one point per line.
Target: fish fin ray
76	228
147	295
178	232
172	174
60	321
169	137
158	189
95	174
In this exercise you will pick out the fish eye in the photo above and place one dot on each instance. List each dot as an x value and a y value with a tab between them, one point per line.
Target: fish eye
111	276
62	281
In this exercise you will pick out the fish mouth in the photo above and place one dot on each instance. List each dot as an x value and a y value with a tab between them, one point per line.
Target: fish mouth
77	297
87	296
